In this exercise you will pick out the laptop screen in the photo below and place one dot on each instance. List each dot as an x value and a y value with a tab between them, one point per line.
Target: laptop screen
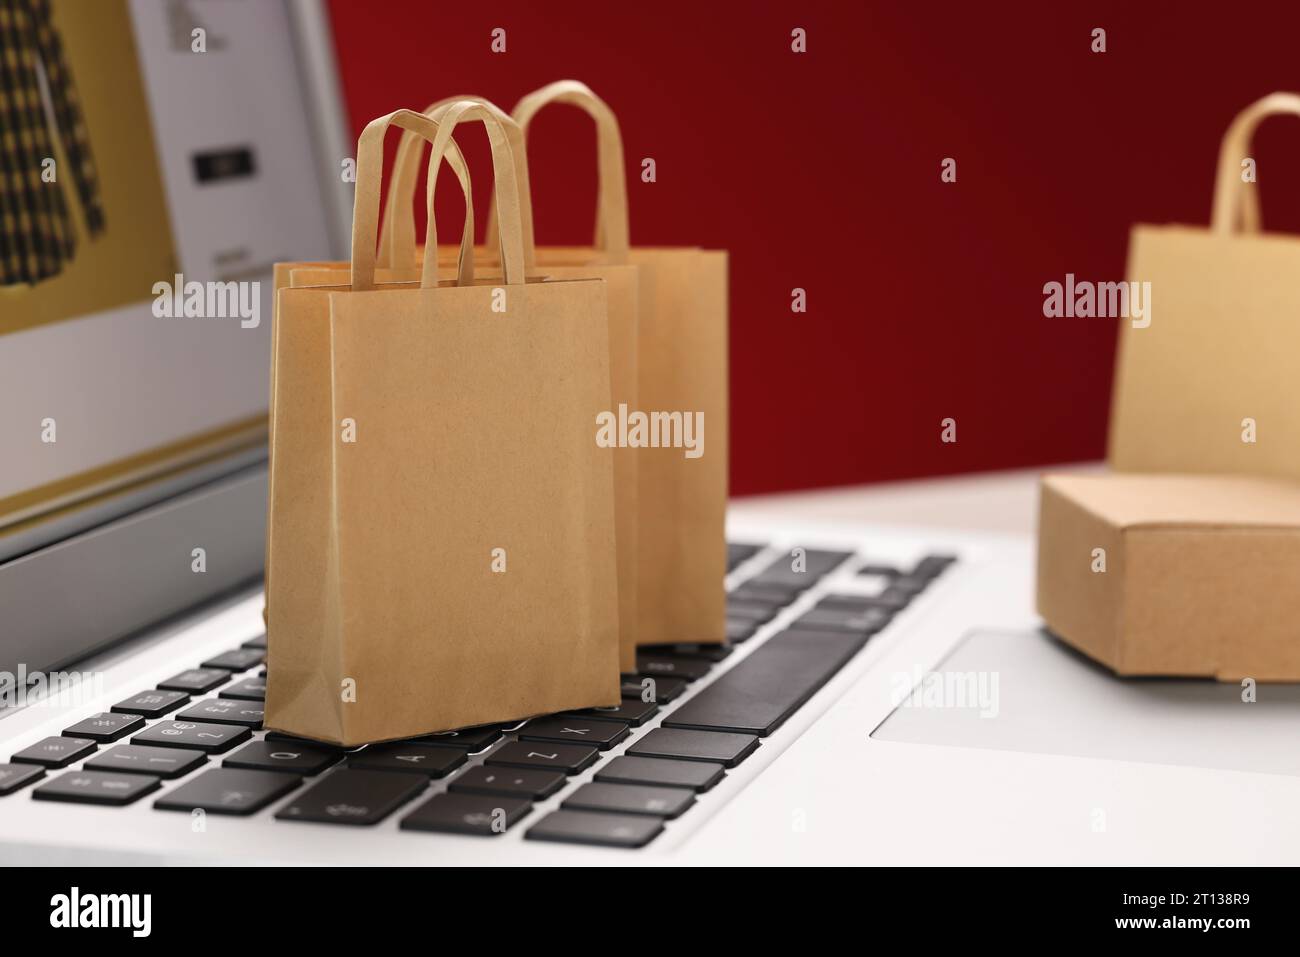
166	160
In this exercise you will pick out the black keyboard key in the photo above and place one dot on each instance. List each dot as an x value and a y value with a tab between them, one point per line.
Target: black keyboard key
660	666
751	609
15	776
105	726
259	642
740	629
294	740
739	553
761	692
516	782
815	564
55	752
282	756
932	566
136	759
246	714
631	799
910	585
567	758
780	595
631	711
902	596
817	561
249	689
596	733
97	787
209	738
662	772
152	704
470	740
690	650
482	814
196	680
659	690
690	745
237	659
867	621
592	827
841	602
355	797
408	757
232	791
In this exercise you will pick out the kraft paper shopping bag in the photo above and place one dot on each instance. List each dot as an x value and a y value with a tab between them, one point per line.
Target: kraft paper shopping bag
441	532
1209	385
282	272
682	368
622	302
681	373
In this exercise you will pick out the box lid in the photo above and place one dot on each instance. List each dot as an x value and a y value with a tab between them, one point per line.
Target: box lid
1132	501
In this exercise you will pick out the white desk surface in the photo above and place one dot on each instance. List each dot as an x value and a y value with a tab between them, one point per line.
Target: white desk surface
1004	503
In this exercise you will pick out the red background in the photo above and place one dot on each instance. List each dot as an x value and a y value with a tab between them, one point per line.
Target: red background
821	171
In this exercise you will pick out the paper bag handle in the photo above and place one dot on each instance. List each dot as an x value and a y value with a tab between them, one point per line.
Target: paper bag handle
612	231
1235	205
365	209
397	235
505	188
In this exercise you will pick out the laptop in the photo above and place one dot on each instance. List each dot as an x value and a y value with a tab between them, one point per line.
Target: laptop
887	695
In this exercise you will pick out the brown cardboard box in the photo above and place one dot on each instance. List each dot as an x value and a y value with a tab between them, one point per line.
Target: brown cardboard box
1201	573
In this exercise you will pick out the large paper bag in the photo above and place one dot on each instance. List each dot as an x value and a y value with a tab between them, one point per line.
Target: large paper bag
1210	385
622	302
441	526
681	368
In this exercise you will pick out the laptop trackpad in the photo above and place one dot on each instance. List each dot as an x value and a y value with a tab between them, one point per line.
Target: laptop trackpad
1027	691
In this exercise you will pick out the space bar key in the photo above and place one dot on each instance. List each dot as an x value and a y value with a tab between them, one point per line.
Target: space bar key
761	692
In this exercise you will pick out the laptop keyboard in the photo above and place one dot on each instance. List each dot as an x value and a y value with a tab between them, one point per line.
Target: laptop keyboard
200	731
